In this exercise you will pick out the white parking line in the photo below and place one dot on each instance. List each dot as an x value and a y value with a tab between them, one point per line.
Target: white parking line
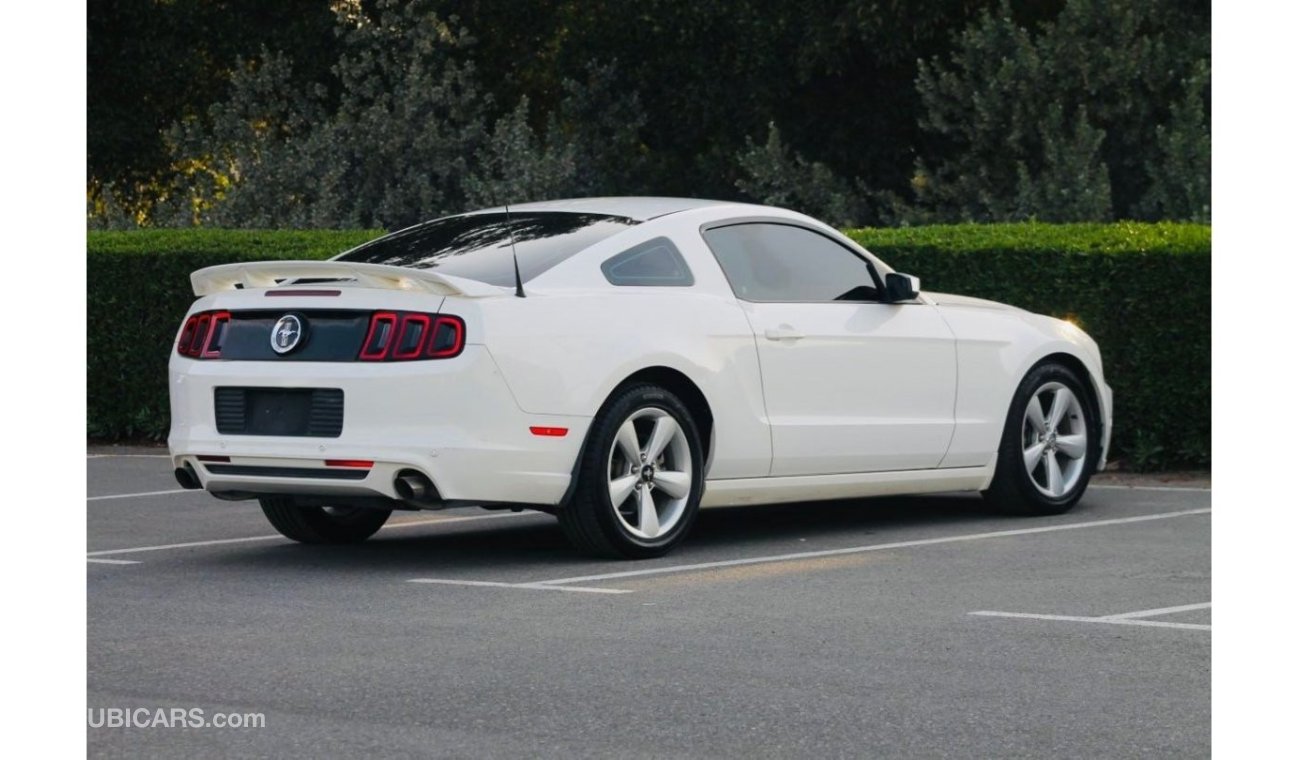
1157	612
530	586
114	561
870	548
186	545
272	537
144	493
1149	488
1111	620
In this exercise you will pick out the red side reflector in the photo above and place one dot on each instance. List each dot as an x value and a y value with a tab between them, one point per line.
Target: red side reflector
556	432
211	458
362	463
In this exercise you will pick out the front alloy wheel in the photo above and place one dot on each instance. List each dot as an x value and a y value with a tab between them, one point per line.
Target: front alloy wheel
1048	449
1054	437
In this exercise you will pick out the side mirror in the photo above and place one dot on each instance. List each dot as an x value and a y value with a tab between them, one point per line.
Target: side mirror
901	287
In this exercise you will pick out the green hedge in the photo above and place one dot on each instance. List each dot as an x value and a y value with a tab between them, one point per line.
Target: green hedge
1142	290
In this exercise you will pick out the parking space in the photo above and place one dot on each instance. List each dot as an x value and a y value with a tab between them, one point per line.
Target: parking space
886	627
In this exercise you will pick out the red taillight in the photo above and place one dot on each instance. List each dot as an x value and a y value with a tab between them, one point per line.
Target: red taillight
216	335
447	338
203	334
413	335
382	326
405	336
187	336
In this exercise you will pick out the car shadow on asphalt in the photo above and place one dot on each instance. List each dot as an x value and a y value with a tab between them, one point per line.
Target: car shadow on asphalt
536	544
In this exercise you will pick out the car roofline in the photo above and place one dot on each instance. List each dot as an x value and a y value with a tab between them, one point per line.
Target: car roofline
637	208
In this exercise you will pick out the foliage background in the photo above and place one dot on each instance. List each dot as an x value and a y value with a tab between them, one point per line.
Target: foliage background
379	113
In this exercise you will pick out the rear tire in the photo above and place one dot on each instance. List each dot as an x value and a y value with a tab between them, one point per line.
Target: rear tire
1048	450
322	525
640	478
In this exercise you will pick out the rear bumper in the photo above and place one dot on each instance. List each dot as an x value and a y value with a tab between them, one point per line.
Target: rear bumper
454	420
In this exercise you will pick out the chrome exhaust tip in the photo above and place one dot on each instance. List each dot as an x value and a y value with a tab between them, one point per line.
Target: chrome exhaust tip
186	477
415	488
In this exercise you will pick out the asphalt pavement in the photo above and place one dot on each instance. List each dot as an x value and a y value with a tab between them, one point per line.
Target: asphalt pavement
905	627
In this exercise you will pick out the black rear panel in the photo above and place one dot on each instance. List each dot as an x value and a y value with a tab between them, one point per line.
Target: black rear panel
328	336
307	412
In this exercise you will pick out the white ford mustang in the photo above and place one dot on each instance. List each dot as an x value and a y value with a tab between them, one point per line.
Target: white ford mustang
618	362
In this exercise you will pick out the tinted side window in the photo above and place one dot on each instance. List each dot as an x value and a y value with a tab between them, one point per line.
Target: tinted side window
654	262
779	262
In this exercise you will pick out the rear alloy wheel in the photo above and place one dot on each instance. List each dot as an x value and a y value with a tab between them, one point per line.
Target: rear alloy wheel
322	525
640	480
1047	454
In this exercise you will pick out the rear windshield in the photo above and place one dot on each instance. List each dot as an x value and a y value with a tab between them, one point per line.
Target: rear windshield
477	246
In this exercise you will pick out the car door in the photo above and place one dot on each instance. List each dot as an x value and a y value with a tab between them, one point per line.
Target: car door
851	384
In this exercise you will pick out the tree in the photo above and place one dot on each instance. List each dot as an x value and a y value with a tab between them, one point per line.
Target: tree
1180	170
774	176
345	112
1071	183
402	132
151	63
1048	121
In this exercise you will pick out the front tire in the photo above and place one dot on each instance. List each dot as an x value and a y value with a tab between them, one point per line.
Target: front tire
322	525
640	478
1049	444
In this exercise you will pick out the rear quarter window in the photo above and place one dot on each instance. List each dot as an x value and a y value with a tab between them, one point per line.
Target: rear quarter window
653	263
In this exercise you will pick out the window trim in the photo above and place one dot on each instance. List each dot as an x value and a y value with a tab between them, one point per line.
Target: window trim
870	261
660	240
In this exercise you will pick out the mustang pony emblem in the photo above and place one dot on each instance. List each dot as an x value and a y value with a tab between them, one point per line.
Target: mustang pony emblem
287	334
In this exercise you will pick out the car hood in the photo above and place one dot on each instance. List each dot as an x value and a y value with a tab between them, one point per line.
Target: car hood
948	299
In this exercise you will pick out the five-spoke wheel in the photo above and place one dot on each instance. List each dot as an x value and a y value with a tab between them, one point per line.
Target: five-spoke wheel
1047	453
1055	439
639	481
649	473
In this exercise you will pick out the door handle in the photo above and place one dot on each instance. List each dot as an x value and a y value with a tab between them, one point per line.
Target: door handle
783	332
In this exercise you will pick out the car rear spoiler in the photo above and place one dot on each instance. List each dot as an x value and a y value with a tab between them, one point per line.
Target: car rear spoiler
271	274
